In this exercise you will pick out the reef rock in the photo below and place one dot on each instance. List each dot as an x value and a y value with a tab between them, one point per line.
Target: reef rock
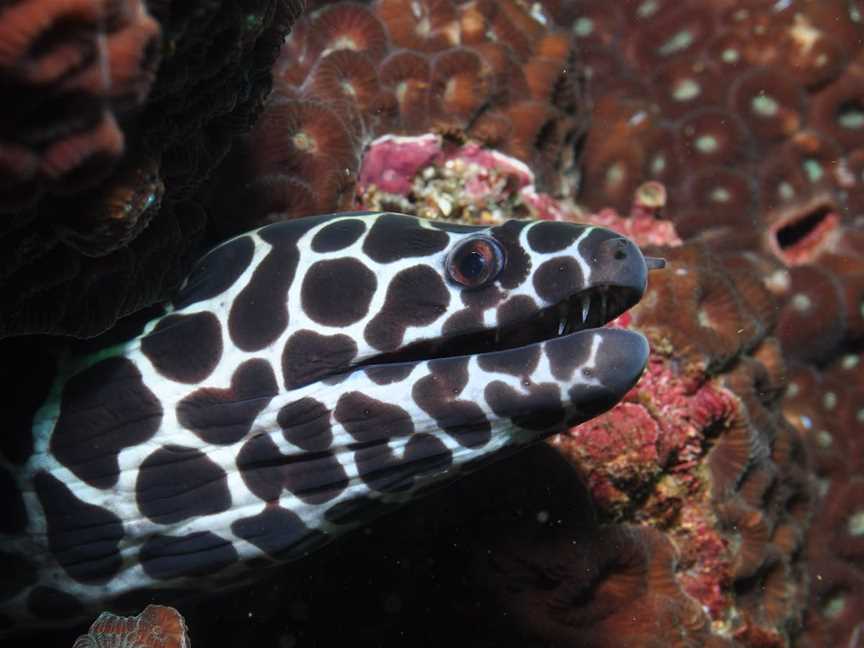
122	109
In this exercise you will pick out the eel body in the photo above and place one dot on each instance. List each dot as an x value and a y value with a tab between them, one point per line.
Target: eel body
308	376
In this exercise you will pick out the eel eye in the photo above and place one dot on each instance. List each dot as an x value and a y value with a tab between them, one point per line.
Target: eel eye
475	262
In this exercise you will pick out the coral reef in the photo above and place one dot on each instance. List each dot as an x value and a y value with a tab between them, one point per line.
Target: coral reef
488	73
721	504
156	627
122	110
72	87
749	114
683	523
827	407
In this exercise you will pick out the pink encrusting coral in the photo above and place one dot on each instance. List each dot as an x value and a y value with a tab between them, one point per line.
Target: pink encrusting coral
699	449
72	87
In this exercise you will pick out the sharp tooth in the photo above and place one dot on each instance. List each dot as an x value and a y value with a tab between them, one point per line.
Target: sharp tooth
561	326
586	303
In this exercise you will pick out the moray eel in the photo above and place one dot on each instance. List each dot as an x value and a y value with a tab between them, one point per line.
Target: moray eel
308	376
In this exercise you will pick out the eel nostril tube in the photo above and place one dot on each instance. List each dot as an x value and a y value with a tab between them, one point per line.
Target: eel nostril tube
655	263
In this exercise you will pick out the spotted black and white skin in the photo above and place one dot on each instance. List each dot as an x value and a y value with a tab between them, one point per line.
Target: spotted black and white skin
308	376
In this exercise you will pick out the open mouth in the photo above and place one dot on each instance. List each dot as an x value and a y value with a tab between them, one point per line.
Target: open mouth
800	234
587	309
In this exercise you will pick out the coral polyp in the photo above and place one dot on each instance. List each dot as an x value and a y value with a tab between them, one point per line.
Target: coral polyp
490	73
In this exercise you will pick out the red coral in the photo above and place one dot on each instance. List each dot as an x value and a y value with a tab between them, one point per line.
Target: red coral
709	459
156	627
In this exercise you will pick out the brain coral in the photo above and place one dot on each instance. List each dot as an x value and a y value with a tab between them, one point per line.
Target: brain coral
121	111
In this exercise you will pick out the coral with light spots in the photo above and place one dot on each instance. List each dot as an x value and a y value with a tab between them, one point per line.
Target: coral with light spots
699	449
827	408
476	73
748	112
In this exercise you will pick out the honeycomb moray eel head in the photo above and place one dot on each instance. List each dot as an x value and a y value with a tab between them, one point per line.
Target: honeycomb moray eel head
308	376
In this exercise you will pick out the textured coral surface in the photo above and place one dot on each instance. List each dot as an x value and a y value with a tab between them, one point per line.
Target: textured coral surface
122	109
156	627
489	72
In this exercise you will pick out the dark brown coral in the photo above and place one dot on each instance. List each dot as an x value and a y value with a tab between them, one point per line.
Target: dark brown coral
74	264
762	102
